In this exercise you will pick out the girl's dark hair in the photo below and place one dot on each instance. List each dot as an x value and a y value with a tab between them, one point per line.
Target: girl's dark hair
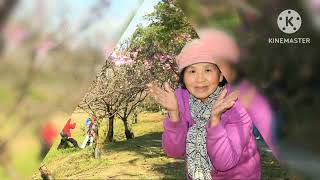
181	79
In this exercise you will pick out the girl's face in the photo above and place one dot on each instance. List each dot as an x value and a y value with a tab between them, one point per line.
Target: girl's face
202	79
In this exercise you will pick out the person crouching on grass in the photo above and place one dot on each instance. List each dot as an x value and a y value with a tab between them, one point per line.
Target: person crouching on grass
206	123
66	135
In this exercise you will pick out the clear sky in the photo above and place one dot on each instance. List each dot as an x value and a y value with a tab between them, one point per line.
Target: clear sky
145	8
47	14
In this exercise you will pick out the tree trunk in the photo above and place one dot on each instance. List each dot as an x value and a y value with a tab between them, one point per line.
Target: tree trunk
6	8
97	151
110	129
127	132
135	119
98	141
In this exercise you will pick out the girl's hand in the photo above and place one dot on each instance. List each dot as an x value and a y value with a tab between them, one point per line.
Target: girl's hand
222	104
166	98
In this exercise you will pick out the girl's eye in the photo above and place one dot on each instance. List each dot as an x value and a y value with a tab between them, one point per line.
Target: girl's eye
208	70
192	71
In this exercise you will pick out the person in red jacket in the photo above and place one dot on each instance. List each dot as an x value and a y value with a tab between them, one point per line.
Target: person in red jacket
47	137
66	135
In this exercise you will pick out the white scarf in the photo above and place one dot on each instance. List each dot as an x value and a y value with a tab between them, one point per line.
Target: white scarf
198	162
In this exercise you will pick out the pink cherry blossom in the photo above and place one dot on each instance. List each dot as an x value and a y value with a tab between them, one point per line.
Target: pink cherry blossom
15	34
44	47
147	64
119	62
107	49
167	67
163	58
134	54
129	62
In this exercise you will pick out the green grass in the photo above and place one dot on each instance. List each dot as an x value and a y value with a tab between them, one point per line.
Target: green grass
22	153
5	97
270	167
29	154
138	158
36	95
2	174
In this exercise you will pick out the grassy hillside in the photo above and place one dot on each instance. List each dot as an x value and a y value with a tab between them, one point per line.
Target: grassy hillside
139	158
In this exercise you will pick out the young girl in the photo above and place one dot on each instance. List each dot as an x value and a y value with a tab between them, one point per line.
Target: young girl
205	122
90	130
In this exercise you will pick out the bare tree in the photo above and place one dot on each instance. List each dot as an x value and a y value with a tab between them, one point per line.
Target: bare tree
113	90
128	109
6	8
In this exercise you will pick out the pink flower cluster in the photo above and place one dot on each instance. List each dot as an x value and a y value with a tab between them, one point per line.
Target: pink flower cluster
120	59
166	67
44	46
164	58
147	64
15	34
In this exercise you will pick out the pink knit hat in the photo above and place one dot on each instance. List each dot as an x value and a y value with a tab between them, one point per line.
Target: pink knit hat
214	46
